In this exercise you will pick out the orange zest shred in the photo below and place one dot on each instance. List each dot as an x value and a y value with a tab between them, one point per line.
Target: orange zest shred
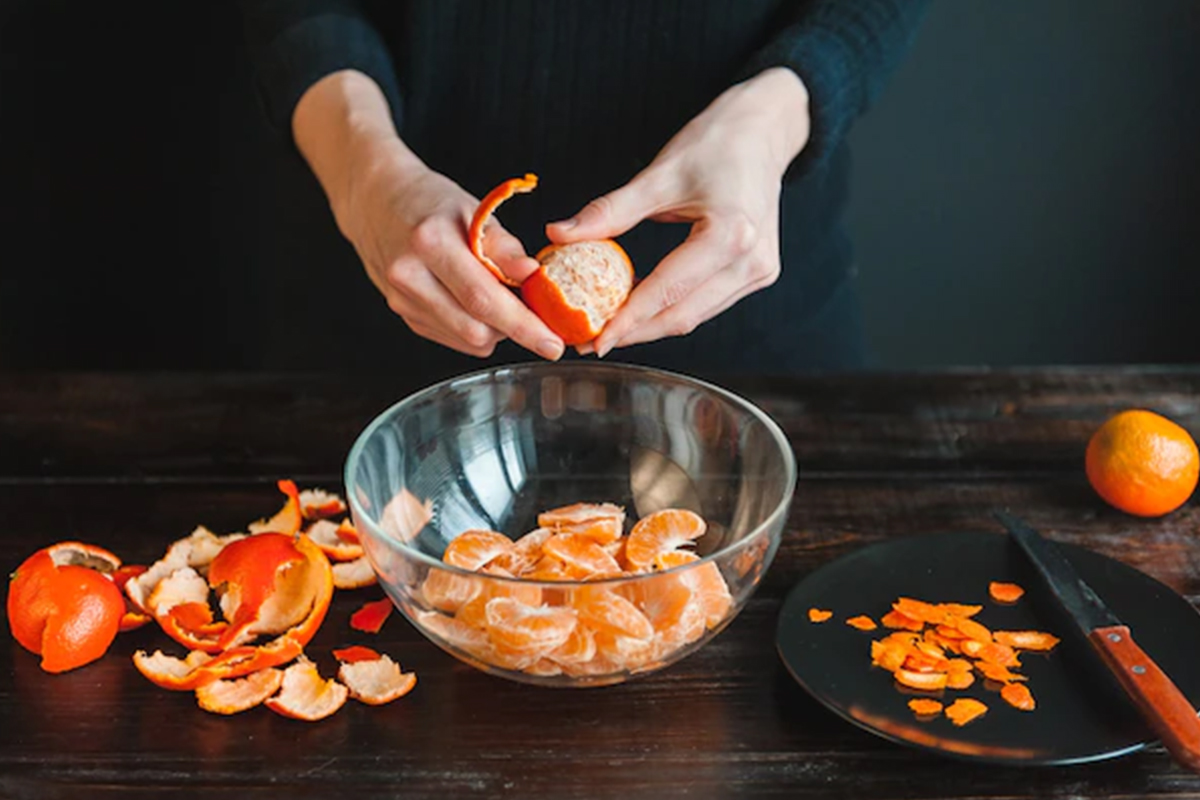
491	201
935	647
371	616
862	623
925	707
1005	592
1018	696
965	709
819	615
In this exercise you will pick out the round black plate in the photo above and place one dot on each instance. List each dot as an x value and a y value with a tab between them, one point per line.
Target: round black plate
1082	714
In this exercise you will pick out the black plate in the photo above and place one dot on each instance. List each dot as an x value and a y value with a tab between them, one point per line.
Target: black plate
1082	715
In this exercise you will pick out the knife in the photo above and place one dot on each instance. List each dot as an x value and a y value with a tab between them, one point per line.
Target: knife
1157	698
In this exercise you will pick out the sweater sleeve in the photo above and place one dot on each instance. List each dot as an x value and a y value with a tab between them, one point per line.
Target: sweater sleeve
844	51
294	43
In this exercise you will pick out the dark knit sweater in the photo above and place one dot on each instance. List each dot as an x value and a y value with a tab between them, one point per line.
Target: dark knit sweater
585	92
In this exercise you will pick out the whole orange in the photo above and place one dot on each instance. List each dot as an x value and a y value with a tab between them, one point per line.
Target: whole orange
1143	463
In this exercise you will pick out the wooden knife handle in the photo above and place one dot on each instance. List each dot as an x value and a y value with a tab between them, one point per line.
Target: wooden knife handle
1160	701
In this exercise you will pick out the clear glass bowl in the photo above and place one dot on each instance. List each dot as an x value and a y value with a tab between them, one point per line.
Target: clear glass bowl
493	449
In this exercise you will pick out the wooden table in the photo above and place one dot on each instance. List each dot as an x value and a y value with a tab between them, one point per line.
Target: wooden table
132	462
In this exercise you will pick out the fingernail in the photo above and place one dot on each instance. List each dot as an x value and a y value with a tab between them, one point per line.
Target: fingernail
586	349
603	349
550	349
567	224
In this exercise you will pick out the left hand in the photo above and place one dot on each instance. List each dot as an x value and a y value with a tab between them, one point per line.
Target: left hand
722	173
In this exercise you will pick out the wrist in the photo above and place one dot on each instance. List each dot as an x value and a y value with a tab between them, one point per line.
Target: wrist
343	128
783	98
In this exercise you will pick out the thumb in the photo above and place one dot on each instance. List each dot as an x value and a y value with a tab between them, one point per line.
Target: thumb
611	215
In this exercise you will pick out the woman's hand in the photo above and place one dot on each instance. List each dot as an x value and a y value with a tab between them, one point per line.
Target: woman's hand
722	173
409	225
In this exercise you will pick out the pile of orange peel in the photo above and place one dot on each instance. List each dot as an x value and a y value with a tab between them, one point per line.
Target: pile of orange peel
935	647
583	631
245	605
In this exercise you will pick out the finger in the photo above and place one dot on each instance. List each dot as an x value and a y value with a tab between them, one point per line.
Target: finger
713	297
611	215
507	252
422	300
483	298
712	245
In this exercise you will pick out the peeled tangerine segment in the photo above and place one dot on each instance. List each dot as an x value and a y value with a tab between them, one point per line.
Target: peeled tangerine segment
305	695
582	553
471	550
326	535
239	694
605	610
705	580
376	681
660	532
527	630
603	522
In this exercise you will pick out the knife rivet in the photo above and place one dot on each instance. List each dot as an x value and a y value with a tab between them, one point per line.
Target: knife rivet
1114	637
1138	670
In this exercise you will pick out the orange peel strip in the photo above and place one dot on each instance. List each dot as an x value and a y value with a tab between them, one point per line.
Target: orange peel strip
965	709
354	654
239	694
862	623
376	681
491	201
819	615
1027	640
305	695
288	519
370	618
1005	592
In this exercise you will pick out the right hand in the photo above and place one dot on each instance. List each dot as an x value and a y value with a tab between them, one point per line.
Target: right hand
409	226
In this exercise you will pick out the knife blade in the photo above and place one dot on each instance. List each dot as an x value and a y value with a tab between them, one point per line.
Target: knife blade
1155	695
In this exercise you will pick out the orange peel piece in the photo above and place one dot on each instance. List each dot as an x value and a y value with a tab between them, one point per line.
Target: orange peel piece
1027	640
371	616
327	535
995	672
818	615
355	653
1005	592
305	695
288	519
169	672
487	207
356	574
376	681
236	695
897	620
1018	696
965	709
192	625
924	681
862	623
319	504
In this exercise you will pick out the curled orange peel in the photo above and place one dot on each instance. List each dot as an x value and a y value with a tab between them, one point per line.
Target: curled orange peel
305	695
289	518
319	504
376	681
264	585
356	574
329	537
235	695
491	201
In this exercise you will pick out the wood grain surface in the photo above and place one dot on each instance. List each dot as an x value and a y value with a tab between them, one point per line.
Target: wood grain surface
132	462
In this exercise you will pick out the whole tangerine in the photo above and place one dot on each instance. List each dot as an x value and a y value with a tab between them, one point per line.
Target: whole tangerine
1142	463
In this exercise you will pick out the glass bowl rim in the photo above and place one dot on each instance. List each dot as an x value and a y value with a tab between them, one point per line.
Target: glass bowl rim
479	376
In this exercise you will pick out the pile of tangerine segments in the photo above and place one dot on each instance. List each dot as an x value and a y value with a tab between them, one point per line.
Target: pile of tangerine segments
579	631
